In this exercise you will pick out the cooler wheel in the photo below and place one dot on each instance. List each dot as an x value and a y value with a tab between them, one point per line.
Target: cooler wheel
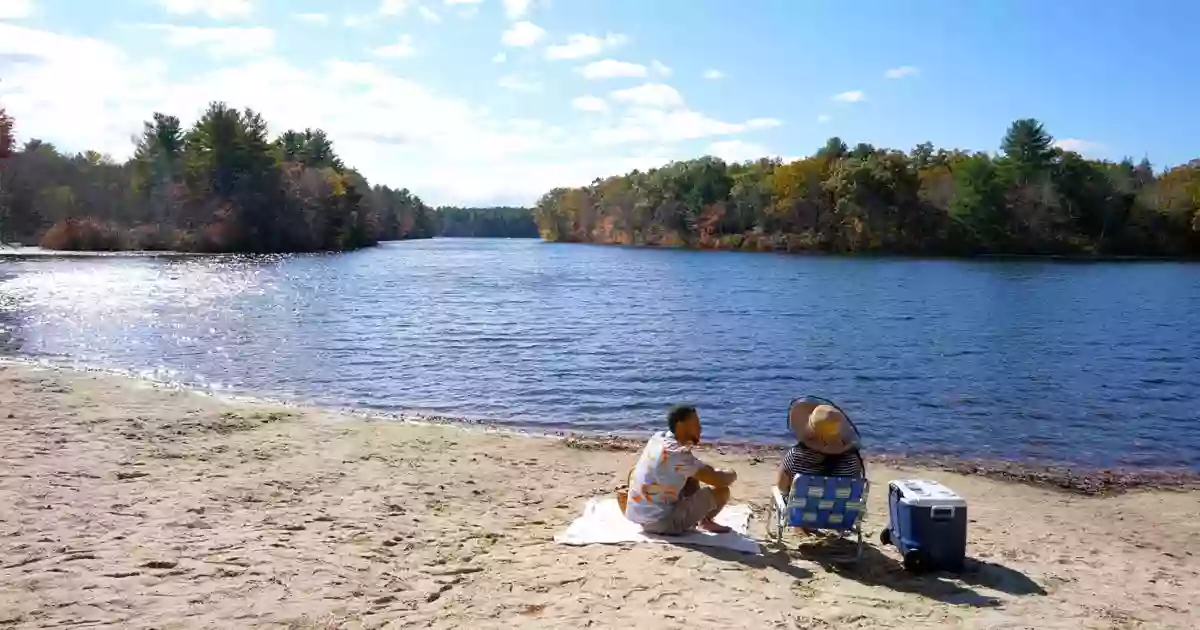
885	536
917	561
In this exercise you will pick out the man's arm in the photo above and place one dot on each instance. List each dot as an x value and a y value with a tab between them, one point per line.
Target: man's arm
715	478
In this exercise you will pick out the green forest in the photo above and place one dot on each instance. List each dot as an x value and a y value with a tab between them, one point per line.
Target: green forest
223	185
501	222
1030	198
220	186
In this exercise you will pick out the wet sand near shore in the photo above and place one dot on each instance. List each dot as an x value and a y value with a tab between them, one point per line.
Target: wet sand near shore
1089	482
127	505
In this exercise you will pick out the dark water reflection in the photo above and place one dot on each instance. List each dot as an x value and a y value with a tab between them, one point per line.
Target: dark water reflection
1089	363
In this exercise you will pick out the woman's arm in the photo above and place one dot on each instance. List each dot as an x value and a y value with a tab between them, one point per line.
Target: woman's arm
784	480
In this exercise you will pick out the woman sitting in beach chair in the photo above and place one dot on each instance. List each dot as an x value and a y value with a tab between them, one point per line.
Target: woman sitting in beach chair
827	443
828	471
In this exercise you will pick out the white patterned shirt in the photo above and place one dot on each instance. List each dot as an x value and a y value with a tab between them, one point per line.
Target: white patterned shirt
659	477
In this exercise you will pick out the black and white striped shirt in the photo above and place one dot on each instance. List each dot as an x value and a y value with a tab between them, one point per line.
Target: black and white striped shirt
801	460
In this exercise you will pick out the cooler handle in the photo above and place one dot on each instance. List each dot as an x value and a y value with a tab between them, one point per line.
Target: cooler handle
941	512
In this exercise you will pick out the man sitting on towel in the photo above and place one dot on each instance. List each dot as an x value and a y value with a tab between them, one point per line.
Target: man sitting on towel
665	494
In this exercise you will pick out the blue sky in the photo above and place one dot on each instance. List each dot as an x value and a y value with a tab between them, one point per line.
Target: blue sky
496	101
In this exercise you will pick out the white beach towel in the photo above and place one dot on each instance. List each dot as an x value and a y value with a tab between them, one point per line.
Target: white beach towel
603	523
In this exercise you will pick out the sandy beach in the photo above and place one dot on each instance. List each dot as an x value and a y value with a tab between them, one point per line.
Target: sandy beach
128	505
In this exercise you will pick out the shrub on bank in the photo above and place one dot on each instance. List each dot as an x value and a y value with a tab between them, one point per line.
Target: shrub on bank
82	235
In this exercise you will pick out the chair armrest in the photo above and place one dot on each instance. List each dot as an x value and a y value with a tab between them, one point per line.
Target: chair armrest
780	502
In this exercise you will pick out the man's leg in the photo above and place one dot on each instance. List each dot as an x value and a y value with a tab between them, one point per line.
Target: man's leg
687	514
720	497
695	510
675	523
663	527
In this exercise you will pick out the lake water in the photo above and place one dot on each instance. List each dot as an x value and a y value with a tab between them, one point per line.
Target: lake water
1094	364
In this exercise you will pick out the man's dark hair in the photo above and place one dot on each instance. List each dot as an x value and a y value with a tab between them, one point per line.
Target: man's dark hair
679	413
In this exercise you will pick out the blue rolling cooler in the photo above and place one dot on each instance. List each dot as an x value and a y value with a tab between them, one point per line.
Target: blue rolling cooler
928	524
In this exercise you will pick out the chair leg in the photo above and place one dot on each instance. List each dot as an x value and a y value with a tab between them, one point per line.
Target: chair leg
773	523
859	553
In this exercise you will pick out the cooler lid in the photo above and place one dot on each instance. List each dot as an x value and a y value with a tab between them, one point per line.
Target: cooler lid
926	493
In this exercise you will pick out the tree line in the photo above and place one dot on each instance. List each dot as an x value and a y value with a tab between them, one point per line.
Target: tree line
1030	198
502	221
222	185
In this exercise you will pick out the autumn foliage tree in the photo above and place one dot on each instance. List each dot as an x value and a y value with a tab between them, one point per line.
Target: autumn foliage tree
221	185
1030	198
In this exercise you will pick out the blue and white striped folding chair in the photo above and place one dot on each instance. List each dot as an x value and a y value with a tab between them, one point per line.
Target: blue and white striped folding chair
820	503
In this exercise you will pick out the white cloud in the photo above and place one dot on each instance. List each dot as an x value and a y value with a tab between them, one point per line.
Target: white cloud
589	103
394	7
737	150
500	58
652	125
660	68
219	41
611	69
215	9
353	21
312	18
522	34
82	93
1082	147
655	95
853	96
518	84
516	9
713	74
15	9
37	90
762	123
430	15
901	72
403	47
580	46
824	118
469	7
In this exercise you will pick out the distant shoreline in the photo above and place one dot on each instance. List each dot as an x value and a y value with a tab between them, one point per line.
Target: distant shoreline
1066	258
8	251
13	251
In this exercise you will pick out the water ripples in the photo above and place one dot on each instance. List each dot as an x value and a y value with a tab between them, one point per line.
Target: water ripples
1091	364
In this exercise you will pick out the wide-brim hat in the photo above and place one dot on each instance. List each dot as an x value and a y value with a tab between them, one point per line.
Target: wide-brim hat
822	426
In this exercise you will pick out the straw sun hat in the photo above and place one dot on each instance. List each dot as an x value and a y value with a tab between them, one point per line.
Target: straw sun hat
822	427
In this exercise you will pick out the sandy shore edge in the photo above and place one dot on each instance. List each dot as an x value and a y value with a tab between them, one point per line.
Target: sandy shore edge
135	505
1091	481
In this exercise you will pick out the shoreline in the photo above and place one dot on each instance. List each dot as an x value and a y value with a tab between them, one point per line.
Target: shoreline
899	256
31	252
1064	477
136	505
1070	478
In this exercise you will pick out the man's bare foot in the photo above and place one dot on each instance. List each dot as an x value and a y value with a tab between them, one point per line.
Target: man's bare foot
714	527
